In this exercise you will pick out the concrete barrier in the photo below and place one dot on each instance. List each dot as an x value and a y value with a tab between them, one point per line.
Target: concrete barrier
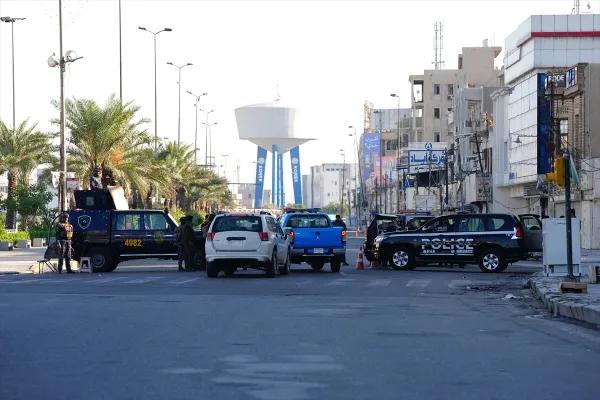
39	242
6	246
24	244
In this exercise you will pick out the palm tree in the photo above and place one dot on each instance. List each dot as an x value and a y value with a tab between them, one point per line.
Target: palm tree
21	151
178	162
112	138
212	189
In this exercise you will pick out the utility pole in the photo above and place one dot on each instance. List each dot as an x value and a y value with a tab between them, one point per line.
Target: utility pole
570	275
12	23
376	196
446	176
179	67
429	164
120	58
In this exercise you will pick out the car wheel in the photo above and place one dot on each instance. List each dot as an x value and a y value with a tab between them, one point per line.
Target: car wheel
198	261
273	266
286	266
317	266
212	270
403	259
100	260
335	266
492	261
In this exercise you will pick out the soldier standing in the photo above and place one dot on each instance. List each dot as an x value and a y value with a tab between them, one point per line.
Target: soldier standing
64	233
189	243
96	179
180	242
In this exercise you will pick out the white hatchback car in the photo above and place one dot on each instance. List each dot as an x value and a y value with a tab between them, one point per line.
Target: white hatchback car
246	241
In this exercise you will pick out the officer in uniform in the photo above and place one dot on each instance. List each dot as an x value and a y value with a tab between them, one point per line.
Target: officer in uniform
96	179
64	234
189	243
180	242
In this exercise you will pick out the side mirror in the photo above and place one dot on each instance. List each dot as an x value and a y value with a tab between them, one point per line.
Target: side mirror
287	231
425	228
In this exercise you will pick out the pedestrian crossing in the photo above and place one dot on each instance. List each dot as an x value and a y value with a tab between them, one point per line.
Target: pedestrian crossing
92	280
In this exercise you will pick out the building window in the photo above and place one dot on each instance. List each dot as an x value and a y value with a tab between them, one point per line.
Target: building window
564	127
506	156
449	110
436	112
437	137
436	88
450	89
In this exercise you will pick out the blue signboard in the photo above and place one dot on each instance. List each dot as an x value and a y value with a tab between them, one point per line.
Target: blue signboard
544	127
261	159
426	160
296	175
371	153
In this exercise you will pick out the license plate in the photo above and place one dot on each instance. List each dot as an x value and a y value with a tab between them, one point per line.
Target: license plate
318	251
236	242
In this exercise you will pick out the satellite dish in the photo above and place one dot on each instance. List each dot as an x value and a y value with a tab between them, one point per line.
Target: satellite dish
70	55
52	61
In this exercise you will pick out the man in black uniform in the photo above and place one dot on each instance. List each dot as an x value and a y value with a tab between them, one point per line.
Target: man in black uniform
189	243
338	221
96	179
64	233
179	241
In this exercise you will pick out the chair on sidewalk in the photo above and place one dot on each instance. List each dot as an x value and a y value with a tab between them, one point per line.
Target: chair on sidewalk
50	253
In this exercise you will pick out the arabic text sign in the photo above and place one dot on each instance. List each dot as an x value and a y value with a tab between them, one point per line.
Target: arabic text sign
484	187
371	153
426	160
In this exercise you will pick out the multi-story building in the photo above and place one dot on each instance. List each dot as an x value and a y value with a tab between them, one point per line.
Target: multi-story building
246	191
329	183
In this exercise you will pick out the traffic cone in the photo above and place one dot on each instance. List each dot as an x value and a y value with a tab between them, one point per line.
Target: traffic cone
374	264
356	233
359	261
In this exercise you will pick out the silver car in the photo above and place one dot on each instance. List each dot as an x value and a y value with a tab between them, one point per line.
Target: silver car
246	241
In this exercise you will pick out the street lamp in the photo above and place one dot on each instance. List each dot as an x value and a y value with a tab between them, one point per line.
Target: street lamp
155	88
12	21
356	206
206	134
343	183
179	112
398	156
197	97
68	57
225	165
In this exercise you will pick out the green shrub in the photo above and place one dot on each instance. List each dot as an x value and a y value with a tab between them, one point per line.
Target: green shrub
199	217
14	237
177	213
39	233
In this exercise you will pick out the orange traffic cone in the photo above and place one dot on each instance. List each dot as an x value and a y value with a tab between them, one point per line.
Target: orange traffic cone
374	264
359	261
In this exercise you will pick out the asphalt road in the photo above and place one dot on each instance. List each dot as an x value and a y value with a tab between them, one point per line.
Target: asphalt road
154	333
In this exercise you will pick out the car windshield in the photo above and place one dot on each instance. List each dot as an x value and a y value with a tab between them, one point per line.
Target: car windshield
237	223
417	222
307	221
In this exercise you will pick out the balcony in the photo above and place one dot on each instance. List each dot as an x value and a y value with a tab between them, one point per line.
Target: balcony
451	118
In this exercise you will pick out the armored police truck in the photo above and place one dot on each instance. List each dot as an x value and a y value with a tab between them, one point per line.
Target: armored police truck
107	231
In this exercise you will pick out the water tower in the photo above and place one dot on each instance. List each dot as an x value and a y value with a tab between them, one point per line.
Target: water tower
274	127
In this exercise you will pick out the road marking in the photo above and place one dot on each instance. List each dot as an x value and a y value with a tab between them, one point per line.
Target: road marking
379	282
181	282
305	282
342	273
340	282
99	281
457	283
419	282
144	280
25	281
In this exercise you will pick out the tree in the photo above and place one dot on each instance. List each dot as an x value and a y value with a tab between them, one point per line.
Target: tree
178	161
295	206
110	136
335	208
22	149
30	201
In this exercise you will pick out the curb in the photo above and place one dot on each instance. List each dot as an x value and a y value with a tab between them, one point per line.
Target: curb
565	305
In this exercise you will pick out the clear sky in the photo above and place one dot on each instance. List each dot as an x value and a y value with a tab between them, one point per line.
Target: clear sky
326	56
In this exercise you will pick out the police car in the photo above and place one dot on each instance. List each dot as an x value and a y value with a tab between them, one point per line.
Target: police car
493	241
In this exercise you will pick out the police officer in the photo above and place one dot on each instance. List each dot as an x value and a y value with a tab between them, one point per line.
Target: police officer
96	179
338	221
189	243
64	234
179	241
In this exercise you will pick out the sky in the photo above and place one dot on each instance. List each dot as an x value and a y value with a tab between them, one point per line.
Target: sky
324	57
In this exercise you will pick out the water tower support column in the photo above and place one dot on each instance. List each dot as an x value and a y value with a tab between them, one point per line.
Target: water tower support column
261	162
280	177
296	180
274	169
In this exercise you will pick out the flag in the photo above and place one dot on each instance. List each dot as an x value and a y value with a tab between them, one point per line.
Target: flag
574	174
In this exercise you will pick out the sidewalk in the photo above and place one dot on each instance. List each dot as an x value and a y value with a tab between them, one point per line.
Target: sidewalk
19	261
580	306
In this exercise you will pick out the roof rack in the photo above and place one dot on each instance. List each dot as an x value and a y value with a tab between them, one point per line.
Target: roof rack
301	210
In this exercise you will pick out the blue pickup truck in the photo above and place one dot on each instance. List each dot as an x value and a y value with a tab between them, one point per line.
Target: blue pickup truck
313	238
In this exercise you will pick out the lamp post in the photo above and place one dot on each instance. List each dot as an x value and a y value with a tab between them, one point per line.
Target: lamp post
155	89
197	97
206	134
179	112
343	183
68	57
120	58
398	156
225	165
12	21
356	164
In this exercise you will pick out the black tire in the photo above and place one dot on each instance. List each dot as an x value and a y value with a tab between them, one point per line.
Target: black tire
403	259
101	260
317	266
212	270
272	267
492	261
198	262
335	266
285	269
